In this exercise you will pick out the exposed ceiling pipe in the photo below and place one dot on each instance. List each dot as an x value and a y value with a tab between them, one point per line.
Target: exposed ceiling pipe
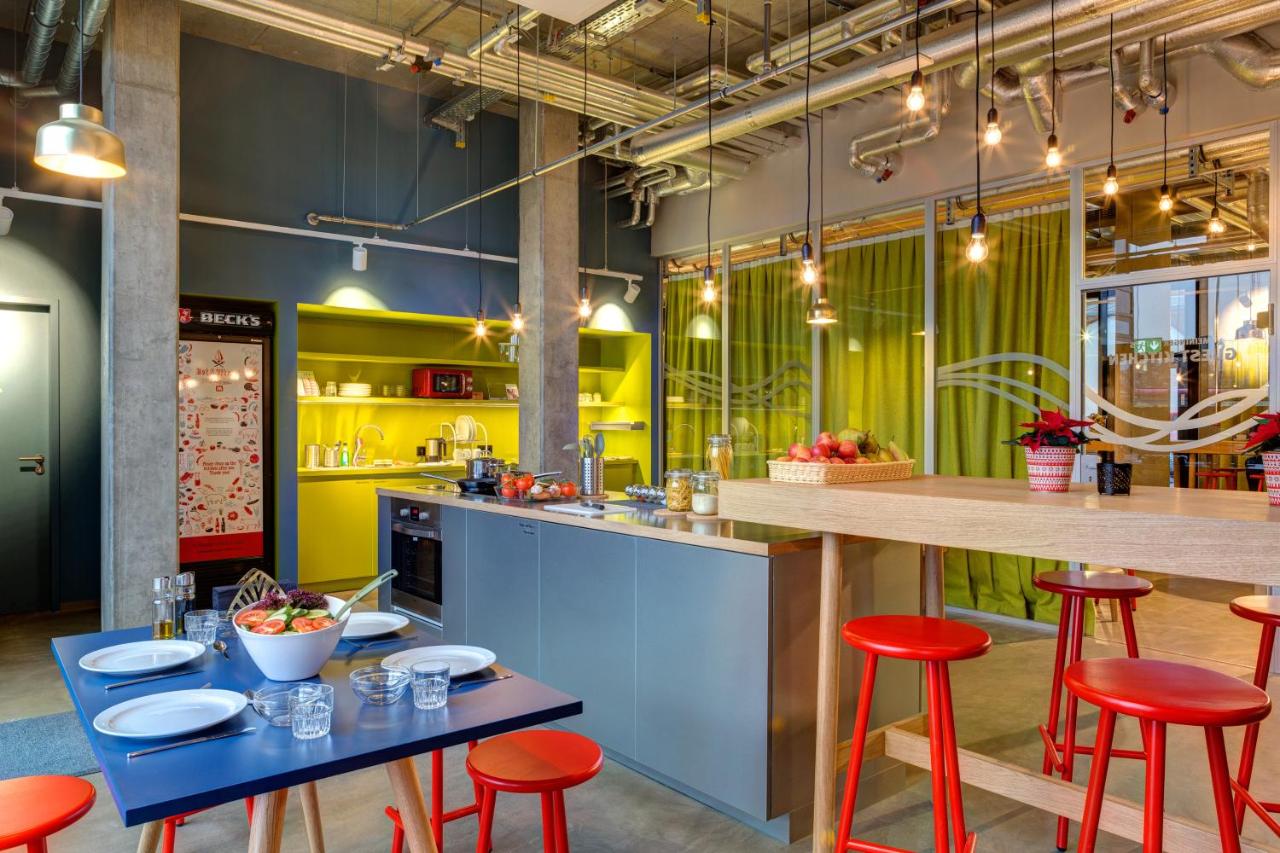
45	18
651	196
1126	98
637	202
1148	82
1248	57
876	154
766	47
94	13
826	34
686	181
1022	27
522	19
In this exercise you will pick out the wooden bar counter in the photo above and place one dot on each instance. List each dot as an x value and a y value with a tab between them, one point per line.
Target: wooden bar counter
1222	535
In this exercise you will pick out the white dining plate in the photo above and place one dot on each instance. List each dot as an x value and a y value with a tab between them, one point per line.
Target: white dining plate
372	623
141	657
463	660
177	712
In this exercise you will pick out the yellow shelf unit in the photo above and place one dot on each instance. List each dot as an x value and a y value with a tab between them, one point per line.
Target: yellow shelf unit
432	403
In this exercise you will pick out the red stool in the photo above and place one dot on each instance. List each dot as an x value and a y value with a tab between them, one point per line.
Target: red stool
538	761
34	807
1076	588
1264	609
1160	693
439	817
1218	478
935	642
170	836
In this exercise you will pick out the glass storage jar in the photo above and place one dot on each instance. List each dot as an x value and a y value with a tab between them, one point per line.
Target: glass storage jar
720	454
680	490
706	493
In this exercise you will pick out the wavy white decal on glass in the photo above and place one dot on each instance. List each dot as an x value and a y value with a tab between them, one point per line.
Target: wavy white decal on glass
958	375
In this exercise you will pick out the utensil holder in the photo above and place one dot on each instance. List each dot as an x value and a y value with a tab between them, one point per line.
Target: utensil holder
1114	478
591	475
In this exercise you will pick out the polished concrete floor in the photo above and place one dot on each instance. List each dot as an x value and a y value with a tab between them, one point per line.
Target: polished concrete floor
999	700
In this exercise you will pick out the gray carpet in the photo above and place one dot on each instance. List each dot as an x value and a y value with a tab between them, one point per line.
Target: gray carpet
38	746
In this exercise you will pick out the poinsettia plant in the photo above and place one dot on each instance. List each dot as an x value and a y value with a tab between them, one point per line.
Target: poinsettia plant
1053	429
1266	435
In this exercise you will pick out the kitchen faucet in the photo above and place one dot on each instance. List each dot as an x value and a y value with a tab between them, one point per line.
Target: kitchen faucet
357	455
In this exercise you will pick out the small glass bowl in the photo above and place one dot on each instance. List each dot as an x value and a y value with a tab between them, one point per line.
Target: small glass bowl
380	685
272	703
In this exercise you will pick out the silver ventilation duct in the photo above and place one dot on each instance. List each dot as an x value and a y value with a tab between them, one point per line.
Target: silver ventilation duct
1248	57
44	26
92	17
826	34
522	19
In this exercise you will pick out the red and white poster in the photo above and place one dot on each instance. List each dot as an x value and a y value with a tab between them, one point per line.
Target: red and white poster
220	455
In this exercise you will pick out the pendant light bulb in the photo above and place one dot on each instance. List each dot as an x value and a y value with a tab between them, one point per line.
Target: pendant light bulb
482	328
1216	225
1052	153
1251	246
808	267
1111	185
708	284
993	134
584	304
1166	199
359	257
977	249
517	319
915	95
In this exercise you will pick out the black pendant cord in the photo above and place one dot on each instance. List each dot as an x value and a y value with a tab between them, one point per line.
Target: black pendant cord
808	139
1053	68
711	151
977	99
1111	68
480	177
1164	111
993	56
919	3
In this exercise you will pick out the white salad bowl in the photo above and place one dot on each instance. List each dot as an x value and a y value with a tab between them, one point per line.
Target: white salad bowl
293	657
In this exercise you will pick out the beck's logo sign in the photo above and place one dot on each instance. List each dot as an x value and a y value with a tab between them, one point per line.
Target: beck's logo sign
219	318
184	315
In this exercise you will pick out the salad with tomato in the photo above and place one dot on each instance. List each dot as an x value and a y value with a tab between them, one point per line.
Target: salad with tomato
294	612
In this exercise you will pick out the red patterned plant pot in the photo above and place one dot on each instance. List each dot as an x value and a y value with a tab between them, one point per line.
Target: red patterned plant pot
1049	468
1271	467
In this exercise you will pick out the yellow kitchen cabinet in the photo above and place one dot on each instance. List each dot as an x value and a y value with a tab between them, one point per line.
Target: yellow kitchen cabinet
337	532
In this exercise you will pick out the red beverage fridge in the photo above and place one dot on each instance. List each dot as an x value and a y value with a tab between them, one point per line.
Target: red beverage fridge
225	441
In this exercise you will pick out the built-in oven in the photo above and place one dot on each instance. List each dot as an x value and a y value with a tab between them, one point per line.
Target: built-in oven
417	555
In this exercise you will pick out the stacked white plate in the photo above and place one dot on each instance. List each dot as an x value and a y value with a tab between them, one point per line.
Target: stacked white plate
354	389
462	660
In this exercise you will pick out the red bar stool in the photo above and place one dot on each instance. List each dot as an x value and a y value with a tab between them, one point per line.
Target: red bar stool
1160	693
1076	588
34	807
1266	610
439	817
537	761
935	642
169	838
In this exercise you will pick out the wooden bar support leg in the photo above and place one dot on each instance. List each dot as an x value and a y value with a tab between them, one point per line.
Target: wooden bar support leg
311	816
150	837
267	829
933	596
824	771
413	809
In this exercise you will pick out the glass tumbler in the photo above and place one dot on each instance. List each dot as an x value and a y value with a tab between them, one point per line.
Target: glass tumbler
430	684
201	626
311	710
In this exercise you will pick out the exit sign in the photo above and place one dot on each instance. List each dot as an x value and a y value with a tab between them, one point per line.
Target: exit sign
1148	346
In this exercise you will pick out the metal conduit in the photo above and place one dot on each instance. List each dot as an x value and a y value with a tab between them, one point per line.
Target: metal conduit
94	13
44	26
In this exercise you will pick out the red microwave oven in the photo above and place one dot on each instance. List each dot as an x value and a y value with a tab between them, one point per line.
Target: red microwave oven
442	383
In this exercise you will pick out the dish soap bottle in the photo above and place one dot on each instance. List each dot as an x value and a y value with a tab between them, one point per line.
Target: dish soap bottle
162	609
344	460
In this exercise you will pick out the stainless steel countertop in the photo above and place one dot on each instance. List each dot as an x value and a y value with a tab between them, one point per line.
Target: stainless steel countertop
739	536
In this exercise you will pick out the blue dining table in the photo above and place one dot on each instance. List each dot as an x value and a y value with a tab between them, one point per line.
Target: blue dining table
267	762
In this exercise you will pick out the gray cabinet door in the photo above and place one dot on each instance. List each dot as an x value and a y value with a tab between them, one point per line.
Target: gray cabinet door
702	670
453	581
502	588
589	629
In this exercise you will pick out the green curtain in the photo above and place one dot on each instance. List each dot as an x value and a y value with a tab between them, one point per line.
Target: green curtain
873	375
693	380
1018	301
770	354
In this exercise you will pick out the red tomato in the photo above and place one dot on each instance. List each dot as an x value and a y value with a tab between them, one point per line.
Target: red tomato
321	622
524	482
250	618
508	491
507	478
568	489
302	625
271	626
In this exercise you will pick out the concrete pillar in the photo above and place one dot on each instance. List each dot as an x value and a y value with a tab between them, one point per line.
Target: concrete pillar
548	292
140	310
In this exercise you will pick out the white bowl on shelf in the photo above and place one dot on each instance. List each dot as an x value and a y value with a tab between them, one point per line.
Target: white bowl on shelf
293	657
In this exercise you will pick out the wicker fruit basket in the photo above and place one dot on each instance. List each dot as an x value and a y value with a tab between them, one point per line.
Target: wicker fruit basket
871	472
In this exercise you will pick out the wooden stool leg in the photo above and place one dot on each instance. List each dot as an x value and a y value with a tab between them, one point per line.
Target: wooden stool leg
856	750
437	797
484	840
1250	746
548	824
951	757
1073	703
150	836
562	824
1153	802
267	829
1097	781
1055	692
311	816
937	764
413	809
1221	778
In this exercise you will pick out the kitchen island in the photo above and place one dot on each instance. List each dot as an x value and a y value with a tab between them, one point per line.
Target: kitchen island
691	643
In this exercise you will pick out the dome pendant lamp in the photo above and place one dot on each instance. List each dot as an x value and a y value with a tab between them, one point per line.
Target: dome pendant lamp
976	251
77	143
1053	153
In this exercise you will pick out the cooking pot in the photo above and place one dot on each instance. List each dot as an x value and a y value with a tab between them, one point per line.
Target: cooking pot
470	485
484	467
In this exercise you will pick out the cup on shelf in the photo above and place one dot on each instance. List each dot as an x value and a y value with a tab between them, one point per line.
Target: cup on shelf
310	710
430	684
201	626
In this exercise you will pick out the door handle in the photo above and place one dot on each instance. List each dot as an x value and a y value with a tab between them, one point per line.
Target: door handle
37	458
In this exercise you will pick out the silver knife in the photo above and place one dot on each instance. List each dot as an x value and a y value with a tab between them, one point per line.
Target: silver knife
191	741
145	679
463	684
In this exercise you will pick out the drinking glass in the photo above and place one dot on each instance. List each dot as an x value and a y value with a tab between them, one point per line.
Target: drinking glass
310	710
201	626
430	684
